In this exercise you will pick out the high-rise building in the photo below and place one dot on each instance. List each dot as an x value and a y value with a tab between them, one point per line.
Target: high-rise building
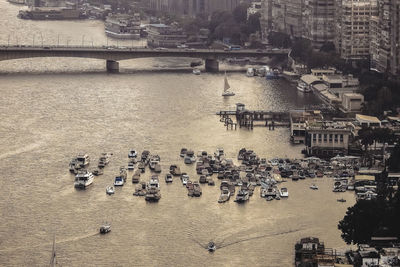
352	28
266	18
384	38
319	21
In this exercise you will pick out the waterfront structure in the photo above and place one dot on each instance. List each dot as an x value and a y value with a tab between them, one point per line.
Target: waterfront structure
385	37
368	121
123	26
161	35
298	123
327	139
306	250
192	8
352	102
50	13
352	28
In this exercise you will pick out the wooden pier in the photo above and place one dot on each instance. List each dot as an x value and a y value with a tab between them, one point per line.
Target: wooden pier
247	118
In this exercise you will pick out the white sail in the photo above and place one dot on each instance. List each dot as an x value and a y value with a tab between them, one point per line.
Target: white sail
226	84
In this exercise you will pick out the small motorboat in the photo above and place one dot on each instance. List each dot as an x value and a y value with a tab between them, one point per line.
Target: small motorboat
105	228
314	187
269	198
168	178
196	71
110	190
132	154
341	200
211	246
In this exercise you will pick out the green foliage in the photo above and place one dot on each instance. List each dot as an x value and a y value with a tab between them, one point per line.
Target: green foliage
371	218
240	13
394	160
253	23
279	39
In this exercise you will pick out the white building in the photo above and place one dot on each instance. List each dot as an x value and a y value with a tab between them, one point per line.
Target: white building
352	102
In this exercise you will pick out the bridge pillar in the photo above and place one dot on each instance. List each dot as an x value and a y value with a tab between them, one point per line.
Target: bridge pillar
112	66
212	65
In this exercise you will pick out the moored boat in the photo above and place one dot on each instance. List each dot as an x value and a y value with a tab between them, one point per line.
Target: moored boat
110	190
105	228
211	246
83	179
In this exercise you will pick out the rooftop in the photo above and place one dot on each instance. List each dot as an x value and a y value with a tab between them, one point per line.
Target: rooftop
367	118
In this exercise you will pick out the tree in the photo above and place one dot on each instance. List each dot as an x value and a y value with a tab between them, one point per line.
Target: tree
279	39
240	13
366	136
394	160
254	23
361	221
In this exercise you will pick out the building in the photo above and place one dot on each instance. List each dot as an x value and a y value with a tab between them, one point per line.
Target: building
318	21
385	38
367	121
327	139
306	251
340	84
352	28
255	7
192	8
298	123
123	26
161	35
352	102
266	18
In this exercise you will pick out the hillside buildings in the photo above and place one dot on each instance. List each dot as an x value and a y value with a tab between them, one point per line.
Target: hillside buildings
192	7
359	29
352	29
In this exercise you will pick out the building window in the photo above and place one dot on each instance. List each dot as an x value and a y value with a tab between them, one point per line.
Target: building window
330	138
341	138
319	138
336	138
325	138
314	137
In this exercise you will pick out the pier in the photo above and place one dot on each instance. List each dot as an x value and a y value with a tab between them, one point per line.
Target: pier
247	118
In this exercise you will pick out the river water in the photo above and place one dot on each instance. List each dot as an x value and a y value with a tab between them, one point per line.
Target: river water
51	109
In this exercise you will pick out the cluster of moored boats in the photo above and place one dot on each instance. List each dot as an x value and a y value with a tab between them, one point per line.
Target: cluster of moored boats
241	179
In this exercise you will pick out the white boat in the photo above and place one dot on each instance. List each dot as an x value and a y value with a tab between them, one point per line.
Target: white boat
105	228
250	72
226	91
284	192
119	181
225	195
211	246
132	154
110	190
196	72
154	182
82	160
83	179
302	87
185	179
314	187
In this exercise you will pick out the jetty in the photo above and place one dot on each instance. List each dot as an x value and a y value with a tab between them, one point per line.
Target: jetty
247	118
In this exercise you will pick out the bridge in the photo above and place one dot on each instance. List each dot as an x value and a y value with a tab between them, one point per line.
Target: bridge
114	54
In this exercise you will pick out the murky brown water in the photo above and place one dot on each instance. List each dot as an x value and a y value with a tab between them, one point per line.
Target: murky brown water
51	109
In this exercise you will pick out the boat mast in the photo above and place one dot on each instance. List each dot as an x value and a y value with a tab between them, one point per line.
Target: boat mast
53	261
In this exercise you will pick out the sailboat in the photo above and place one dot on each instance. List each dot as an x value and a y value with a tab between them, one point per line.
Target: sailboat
226	91
53	261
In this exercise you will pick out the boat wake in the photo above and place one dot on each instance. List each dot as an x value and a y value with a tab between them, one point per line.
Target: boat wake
257	237
48	245
221	244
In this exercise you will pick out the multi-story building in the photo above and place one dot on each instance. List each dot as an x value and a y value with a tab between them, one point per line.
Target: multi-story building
327	139
319	21
294	18
192	7
385	38
254	8
266	18
352	28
